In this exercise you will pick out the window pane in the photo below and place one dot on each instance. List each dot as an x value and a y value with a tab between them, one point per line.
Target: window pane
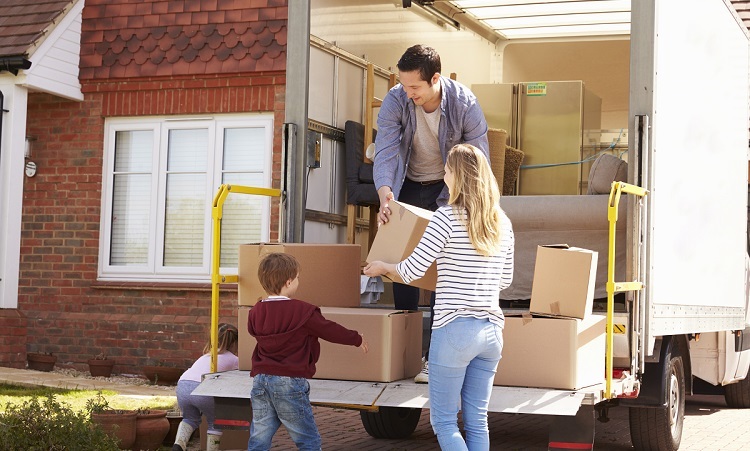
241	221
130	219
244	149
185	220
133	150
187	150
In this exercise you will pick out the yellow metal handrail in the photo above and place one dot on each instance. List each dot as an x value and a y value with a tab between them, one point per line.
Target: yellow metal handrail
217	211
612	287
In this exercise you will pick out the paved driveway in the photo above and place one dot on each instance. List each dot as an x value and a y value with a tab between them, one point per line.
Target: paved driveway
709	425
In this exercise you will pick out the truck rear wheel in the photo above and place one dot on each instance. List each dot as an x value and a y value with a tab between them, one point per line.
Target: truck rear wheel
660	428
391	422
737	395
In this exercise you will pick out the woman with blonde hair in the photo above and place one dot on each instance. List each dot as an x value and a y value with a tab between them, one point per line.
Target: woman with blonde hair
472	240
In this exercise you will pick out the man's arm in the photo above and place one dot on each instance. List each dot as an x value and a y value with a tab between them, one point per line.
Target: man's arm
387	144
475	129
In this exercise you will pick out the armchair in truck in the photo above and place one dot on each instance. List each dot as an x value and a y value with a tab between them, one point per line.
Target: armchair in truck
576	220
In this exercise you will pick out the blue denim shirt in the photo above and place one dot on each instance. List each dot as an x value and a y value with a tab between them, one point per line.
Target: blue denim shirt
461	121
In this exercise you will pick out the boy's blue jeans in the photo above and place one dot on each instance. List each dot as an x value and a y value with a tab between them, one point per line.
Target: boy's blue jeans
281	400
463	359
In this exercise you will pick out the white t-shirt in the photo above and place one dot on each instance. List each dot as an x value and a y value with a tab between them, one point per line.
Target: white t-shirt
225	361
426	162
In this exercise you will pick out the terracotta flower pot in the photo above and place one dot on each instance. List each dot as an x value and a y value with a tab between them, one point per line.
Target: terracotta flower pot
101	368
162	375
150	429
174	423
41	362
119	424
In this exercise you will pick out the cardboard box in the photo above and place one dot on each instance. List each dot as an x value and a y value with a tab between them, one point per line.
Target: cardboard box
564	280
564	353
396	240
329	274
394	338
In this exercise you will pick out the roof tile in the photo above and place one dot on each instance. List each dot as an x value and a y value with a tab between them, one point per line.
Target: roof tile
149	44
28	23
216	17
169	37
150	21
192	6
191	30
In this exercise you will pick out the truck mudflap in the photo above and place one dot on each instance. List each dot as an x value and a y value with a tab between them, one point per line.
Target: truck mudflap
406	393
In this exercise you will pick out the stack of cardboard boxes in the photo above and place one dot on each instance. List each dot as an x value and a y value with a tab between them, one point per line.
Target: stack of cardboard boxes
330	278
560	344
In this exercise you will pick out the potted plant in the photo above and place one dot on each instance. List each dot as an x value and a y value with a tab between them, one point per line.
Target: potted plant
120	424
41	361
151	427
101	366
162	375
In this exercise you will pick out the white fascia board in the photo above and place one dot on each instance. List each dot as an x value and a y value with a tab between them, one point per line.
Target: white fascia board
54	64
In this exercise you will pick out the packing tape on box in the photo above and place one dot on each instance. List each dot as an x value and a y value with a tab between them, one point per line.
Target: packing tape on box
554	308
526	318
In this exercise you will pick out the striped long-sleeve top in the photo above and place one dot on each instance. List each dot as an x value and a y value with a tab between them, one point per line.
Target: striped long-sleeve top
468	283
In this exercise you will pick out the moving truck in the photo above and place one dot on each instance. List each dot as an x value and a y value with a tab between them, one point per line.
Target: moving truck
683	104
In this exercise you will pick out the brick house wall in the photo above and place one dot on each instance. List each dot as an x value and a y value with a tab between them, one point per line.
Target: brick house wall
137	60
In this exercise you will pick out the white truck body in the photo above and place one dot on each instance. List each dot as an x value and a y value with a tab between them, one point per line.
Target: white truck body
693	85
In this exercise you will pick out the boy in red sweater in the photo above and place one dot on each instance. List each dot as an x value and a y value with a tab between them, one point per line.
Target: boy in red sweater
287	331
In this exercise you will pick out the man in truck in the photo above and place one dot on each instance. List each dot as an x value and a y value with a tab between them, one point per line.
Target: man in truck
419	121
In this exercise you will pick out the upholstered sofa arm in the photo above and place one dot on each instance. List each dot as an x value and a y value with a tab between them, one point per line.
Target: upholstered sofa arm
579	221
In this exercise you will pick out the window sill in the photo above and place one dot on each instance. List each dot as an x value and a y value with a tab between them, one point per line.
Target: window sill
159	286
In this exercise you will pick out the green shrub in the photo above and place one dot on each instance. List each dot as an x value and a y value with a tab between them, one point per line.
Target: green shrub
50	426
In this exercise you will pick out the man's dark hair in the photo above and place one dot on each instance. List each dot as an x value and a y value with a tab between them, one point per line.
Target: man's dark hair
424	59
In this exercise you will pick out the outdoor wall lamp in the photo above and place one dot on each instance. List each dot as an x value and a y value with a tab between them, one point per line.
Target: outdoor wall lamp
30	167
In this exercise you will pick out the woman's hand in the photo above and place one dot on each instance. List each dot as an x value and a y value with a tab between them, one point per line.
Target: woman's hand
378	268
364	346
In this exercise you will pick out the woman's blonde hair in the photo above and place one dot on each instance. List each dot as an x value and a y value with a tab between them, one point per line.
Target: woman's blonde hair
475	190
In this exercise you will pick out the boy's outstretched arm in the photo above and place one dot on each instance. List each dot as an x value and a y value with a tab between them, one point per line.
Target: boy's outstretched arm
334	332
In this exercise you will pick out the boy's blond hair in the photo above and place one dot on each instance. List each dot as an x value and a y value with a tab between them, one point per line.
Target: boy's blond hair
275	270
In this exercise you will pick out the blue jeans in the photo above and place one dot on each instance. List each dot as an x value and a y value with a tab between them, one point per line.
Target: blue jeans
281	400
464	356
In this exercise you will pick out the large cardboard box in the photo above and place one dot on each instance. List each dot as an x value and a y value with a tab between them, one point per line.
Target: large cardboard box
394	338
397	239
564	353
329	274
564	280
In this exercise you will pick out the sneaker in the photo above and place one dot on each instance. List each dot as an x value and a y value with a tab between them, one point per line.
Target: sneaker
423	376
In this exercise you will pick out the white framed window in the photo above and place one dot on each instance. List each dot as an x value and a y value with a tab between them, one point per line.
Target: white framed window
159	179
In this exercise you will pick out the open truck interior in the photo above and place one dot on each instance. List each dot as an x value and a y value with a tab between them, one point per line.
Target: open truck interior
576	53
